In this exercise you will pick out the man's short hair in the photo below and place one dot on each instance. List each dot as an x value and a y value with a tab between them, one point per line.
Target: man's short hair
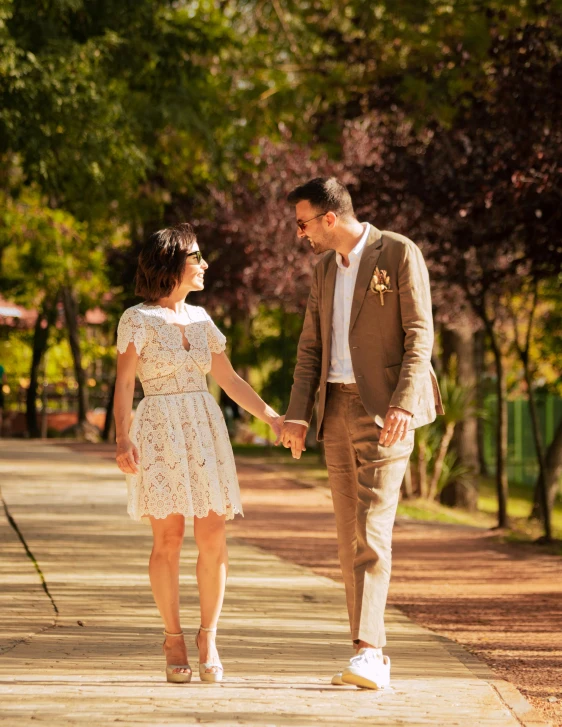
325	194
162	261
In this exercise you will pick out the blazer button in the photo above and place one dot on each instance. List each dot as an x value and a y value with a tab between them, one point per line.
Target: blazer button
359	376
355	347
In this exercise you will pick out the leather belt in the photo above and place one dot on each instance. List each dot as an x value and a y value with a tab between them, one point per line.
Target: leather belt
345	388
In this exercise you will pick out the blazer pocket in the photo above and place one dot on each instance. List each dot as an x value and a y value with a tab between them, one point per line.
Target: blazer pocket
392	374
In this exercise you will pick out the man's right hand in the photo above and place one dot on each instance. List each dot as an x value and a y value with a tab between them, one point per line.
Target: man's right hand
293	436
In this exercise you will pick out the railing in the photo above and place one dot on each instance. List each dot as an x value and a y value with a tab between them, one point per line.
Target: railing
521	455
57	405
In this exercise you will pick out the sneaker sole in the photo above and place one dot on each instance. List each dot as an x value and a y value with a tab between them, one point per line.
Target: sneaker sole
362	682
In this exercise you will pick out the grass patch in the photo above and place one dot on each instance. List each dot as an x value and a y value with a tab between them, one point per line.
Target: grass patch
435	512
519	506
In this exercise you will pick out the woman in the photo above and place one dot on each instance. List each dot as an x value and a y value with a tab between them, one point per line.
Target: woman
177	454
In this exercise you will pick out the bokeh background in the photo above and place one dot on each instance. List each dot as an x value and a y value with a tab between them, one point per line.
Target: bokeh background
118	118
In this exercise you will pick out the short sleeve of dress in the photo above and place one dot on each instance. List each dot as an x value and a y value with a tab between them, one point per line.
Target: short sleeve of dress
131	329
215	339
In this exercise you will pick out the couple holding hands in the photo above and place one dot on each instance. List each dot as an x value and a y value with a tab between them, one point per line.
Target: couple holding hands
365	350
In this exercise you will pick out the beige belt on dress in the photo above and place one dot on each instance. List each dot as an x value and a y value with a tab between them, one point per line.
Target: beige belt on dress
177	393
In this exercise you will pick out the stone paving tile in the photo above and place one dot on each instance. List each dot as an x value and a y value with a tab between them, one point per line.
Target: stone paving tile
282	635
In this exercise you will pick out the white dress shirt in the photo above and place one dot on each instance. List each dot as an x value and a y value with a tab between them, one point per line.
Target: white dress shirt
341	369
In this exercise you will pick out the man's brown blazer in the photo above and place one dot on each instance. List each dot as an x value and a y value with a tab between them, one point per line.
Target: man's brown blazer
390	344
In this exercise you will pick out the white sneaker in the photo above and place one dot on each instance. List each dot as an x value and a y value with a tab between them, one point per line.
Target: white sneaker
369	669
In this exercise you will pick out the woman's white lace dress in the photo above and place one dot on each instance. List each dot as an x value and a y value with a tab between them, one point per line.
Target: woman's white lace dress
186	461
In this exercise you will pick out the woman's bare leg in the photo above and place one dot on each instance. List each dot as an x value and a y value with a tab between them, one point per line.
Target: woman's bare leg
164	572
212	570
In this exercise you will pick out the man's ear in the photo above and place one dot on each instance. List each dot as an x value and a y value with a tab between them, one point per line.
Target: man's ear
331	218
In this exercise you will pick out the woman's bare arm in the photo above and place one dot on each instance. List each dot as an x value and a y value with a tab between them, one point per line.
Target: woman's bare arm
127	455
242	393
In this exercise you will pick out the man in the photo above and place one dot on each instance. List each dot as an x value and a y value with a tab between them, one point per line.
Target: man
365	348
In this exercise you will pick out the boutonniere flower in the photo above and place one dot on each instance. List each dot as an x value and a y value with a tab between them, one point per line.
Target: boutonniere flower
380	283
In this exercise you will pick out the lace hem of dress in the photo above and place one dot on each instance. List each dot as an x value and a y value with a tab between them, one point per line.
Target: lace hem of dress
230	511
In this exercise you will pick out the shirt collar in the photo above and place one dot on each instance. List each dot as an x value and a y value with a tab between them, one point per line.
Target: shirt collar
355	254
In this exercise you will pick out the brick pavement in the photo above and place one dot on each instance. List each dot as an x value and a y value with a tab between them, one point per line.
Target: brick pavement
282	634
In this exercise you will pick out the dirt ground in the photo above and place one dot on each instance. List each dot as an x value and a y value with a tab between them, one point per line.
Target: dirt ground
502	601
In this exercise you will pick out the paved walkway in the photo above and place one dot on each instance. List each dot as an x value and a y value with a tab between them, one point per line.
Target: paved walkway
282	634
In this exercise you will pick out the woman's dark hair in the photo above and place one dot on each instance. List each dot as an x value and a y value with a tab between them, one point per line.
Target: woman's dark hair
162	261
326	194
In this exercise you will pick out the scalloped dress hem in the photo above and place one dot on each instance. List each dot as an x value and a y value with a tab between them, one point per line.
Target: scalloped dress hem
230	514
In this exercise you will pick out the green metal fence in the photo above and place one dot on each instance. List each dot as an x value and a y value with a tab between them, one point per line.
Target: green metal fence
522	461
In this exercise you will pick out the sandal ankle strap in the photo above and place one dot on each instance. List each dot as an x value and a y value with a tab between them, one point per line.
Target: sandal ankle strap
202	628
167	633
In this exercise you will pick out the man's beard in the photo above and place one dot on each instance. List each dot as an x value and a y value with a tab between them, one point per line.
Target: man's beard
318	247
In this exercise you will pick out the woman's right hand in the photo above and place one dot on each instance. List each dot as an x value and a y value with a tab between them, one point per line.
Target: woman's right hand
276	423
127	457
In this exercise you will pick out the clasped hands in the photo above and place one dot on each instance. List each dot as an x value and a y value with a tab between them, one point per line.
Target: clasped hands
290	435
396	423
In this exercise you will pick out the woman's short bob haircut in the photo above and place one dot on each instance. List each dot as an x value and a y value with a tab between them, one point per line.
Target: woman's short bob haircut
162	261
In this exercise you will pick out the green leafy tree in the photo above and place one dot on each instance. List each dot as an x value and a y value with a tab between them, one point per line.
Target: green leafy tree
49	257
113	115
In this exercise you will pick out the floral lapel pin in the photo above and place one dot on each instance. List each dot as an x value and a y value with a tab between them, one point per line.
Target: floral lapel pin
380	283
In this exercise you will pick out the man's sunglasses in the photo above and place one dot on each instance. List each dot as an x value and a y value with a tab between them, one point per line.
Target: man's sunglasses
302	225
198	255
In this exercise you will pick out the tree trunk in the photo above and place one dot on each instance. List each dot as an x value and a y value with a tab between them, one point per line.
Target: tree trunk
437	352
108	434
46	318
523	351
460	343
553	462
537	436
440	458
422	468
479	369
447	348
465	440
71	315
407	485
501	433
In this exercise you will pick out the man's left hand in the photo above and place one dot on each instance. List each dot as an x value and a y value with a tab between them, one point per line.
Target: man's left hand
396	423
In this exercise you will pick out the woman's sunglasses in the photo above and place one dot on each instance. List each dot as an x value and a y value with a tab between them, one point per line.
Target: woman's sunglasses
198	255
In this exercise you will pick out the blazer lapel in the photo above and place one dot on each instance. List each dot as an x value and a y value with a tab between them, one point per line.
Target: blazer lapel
368	262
